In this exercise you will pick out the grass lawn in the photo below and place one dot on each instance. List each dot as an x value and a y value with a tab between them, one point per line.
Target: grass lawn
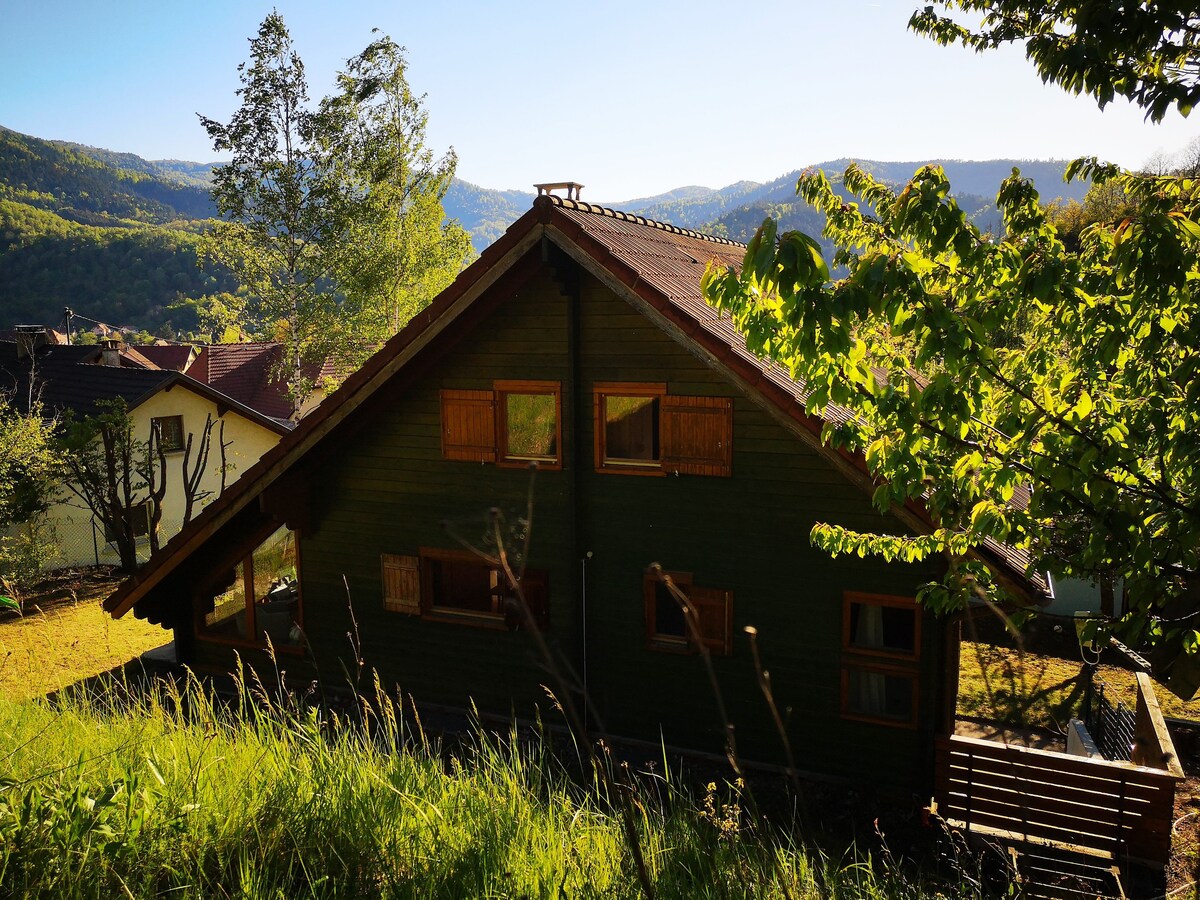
1043	690
65	636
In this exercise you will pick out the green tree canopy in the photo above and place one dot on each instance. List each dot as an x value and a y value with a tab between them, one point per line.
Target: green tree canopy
1146	52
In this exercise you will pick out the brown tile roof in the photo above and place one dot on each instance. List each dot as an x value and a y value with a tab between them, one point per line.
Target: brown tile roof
175	357
660	264
248	373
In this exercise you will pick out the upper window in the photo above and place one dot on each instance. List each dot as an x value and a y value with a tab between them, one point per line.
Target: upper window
516	423
666	621
641	429
262	599
881	625
529	422
881	649
170	432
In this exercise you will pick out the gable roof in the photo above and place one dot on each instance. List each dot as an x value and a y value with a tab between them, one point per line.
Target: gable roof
655	266
248	372
66	380
169	356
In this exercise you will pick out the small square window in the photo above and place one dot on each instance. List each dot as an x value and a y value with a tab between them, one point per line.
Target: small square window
880	695
628	429
881	625
138	517
170	432
529	423
666	622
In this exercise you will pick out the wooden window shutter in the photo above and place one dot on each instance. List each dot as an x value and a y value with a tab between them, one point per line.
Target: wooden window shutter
402	584
714	608
469	425
697	435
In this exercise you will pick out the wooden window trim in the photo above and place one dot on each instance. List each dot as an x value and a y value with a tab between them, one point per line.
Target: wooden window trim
499	390
849	598
431	612
655	641
604	389
721	645
200	634
912	674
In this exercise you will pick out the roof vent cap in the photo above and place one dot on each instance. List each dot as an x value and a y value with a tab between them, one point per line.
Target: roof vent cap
571	187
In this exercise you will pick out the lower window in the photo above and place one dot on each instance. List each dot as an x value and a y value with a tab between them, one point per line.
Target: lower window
666	623
263	600
879	695
138	517
457	585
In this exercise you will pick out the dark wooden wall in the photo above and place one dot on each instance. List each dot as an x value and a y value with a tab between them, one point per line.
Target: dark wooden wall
387	490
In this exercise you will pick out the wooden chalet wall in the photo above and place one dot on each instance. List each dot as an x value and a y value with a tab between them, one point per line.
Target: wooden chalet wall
388	490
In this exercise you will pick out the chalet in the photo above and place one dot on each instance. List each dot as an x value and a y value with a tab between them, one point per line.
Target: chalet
578	342
79	379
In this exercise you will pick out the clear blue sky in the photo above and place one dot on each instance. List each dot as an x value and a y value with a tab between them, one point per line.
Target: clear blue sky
630	98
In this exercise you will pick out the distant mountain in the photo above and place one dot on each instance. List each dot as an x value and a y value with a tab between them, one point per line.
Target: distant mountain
114	235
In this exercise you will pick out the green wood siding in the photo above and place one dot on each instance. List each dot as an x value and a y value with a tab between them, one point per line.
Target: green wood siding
387	490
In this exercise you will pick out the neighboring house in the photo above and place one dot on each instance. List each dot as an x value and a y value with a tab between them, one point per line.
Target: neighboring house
579	341
78	379
176	357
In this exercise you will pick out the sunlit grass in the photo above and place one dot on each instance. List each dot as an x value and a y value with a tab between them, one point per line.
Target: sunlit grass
65	636
1033	689
102	796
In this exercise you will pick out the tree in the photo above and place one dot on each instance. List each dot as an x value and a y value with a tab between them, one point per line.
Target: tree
123	481
1095	413
332	219
29	470
1146	52
399	251
279	210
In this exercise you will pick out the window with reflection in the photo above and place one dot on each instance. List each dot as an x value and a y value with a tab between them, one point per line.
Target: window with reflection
529	426
881	649
261	598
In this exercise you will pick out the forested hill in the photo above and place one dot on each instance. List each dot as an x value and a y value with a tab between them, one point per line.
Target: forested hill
114	236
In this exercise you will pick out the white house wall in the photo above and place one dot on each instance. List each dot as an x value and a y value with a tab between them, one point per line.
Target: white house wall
82	541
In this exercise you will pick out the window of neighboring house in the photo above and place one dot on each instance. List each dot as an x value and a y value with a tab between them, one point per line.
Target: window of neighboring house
456	585
262	599
881	648
138	517
514	424
641	429
666	625
170	432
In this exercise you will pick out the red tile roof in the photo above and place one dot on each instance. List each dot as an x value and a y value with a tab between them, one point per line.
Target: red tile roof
249	372
175	357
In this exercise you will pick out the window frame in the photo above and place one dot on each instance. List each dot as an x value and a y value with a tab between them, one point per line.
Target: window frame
850	598
535	582
141	506
872	668
892	663
199	626
718	645
601	391
156	426
500	392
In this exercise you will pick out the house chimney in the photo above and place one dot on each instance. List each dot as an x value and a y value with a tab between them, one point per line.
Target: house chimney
110	352
571	187
29	339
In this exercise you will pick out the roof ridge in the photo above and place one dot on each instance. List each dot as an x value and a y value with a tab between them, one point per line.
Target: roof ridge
583	206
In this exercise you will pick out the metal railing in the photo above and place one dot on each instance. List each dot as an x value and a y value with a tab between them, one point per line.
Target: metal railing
1110	722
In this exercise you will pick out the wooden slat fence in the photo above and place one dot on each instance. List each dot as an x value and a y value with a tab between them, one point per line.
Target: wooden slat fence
1110	808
